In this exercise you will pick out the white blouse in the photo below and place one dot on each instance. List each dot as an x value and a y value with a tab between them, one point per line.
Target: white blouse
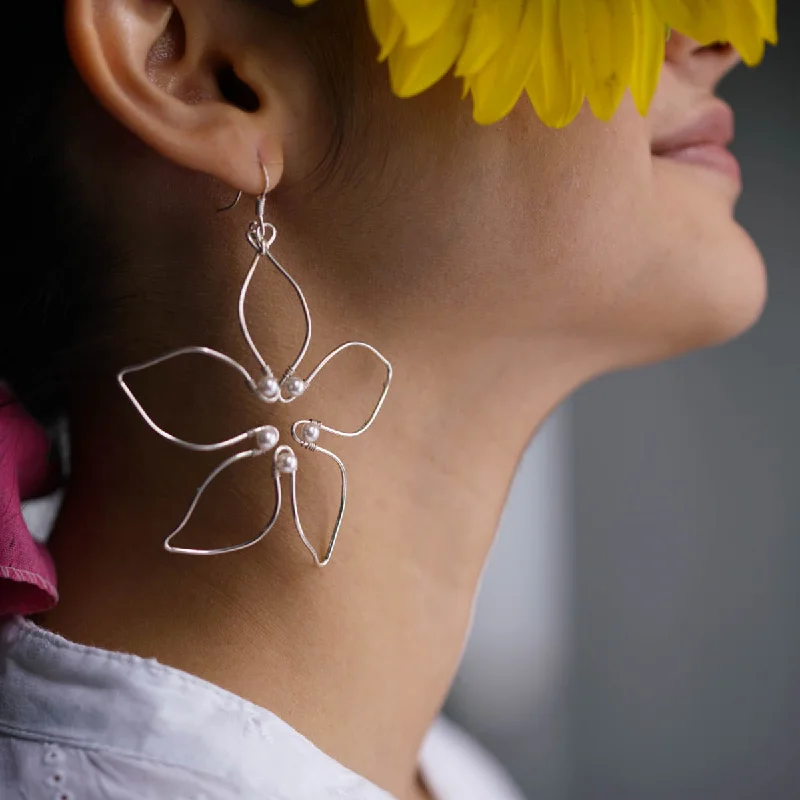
80	723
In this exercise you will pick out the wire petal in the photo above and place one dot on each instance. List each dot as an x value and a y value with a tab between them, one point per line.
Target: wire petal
384	391
321	562
170	548
204	351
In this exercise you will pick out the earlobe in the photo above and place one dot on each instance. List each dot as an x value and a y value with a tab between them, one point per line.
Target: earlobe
156	67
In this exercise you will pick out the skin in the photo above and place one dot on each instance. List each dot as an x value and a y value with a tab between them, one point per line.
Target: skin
497	268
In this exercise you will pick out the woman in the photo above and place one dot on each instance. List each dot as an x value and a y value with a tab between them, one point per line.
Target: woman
490	268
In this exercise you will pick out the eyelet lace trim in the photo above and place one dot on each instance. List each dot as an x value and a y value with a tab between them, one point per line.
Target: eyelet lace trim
55	758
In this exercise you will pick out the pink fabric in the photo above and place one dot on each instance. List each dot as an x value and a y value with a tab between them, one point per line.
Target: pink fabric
27	574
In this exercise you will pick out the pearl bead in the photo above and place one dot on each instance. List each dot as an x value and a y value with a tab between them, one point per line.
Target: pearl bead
269	388
295	387
310	432
286	461
267	437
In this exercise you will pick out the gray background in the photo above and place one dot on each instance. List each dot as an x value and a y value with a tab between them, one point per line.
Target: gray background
638	629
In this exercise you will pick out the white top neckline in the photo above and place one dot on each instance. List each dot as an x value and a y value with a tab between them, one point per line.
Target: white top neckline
92	700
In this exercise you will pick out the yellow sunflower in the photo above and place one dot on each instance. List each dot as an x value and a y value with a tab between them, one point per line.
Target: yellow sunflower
561	52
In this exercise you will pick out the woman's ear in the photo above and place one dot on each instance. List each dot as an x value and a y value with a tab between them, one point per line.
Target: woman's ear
183	77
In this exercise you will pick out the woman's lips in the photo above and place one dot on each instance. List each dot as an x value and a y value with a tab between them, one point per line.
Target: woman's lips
715	156
704	141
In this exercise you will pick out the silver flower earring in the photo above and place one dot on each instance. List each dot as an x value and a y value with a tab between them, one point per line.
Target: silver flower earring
264	439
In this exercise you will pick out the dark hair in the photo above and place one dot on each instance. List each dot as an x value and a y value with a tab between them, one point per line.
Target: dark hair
52	310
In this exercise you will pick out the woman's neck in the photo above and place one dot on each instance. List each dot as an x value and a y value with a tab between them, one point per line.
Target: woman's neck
358	656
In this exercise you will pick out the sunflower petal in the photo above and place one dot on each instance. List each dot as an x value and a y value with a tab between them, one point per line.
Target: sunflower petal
498	86
767	11
552	86
493	23
705	21
423	20
746	24
598	39
597	50
386	25
414	69
648	57
744	32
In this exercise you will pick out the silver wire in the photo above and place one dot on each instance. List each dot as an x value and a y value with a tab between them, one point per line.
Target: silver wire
321	562
381	399
261	235
202	448
170	548
261	243
232	205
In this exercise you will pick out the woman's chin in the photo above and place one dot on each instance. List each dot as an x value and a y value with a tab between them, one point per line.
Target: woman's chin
732	296
707	284
700	303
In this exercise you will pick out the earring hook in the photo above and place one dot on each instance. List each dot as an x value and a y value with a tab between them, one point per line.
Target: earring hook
261	198
232	205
